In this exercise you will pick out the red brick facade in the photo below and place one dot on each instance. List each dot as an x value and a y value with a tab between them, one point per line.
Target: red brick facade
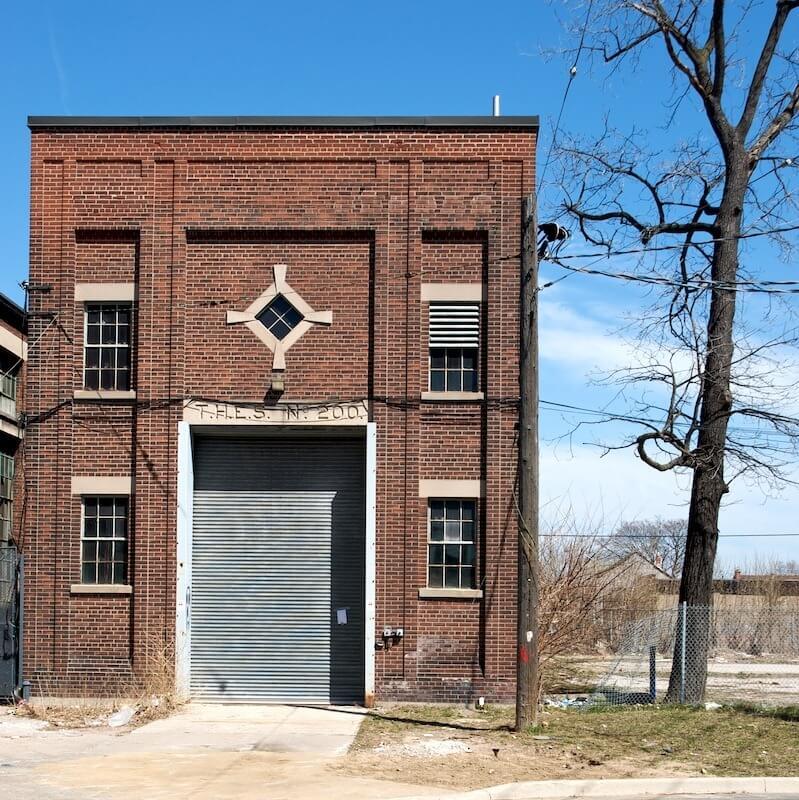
196	217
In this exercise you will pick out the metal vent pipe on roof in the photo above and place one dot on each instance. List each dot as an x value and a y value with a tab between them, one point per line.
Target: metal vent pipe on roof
496	105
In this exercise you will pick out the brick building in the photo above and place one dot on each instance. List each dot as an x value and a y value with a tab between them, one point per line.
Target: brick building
13	351
272	433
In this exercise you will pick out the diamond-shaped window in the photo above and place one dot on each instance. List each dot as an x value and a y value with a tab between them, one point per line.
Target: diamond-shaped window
280	317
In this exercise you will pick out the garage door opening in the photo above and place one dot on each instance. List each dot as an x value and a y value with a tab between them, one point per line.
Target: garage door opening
277	606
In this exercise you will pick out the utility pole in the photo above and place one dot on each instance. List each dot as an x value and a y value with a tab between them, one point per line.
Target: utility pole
527	672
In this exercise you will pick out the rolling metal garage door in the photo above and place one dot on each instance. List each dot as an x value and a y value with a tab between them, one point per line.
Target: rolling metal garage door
277	600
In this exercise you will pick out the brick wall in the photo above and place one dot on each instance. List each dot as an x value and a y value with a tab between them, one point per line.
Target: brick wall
196	218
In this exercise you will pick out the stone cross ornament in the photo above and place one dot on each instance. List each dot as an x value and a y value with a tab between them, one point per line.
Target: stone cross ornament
279	317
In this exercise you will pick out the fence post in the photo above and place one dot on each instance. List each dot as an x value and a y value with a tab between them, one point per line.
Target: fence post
653	692
684	610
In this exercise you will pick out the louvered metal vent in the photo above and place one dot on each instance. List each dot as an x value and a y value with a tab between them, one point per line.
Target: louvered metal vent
454	324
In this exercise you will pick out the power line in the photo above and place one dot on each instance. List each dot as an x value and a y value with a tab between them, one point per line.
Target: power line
659	248
611	415
572	76
746	286
754	287
408	402
602	537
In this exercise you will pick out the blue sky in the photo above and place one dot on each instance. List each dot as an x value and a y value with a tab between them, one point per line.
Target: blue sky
100	58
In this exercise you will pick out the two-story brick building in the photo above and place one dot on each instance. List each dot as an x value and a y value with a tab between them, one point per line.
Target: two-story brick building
273	430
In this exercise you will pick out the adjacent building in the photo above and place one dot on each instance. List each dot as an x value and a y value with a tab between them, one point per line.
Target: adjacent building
273	405
13	352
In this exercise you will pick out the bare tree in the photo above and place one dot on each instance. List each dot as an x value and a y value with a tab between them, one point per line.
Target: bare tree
789	567
690	214
659	542
574	577
770	566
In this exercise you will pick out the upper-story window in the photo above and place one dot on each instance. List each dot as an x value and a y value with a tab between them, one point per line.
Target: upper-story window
454	346
107	346
8	393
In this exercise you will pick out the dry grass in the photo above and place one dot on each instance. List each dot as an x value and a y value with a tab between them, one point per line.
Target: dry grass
568	675
152	697
405	743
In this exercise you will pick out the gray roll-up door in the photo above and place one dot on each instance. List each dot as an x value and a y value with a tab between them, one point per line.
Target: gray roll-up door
277	600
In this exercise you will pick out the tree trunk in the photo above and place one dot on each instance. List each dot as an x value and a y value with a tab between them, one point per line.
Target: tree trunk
708	486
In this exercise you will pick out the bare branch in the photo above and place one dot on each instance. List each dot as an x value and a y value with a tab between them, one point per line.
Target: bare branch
717	39
774	128
783	9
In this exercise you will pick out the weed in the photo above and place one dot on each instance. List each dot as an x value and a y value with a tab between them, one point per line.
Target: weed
151	694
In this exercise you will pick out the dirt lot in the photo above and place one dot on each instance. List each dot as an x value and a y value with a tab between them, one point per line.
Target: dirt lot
466	749
732	677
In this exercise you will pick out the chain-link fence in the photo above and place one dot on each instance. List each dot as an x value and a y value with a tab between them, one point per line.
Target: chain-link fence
752	656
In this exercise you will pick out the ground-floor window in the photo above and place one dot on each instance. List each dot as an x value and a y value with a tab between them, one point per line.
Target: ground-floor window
6	495
5	520
104	540
450	543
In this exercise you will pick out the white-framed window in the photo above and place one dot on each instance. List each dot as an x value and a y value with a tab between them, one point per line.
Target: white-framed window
451	536
106	346
6	495
8	386
104	540
454	338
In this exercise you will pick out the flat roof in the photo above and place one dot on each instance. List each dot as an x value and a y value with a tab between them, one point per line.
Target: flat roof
283	122
12	312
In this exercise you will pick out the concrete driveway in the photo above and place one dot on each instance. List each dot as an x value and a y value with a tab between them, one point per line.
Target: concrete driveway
203	752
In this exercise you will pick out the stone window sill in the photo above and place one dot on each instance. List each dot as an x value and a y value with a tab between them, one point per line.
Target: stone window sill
103	394
100	588
450	594
450	396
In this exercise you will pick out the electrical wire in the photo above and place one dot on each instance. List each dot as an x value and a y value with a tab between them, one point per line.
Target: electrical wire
794	226
745	286
404	403
751	287
608	416
31	345
572	76
601	537
398	403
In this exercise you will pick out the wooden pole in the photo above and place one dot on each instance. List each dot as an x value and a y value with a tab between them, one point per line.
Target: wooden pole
527	675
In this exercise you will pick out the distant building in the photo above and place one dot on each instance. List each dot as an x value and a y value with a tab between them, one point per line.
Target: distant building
752	584
760	583
632	570
13	352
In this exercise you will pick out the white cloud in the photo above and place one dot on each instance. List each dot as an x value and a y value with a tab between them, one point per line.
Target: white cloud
572	339
580	338
618	486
